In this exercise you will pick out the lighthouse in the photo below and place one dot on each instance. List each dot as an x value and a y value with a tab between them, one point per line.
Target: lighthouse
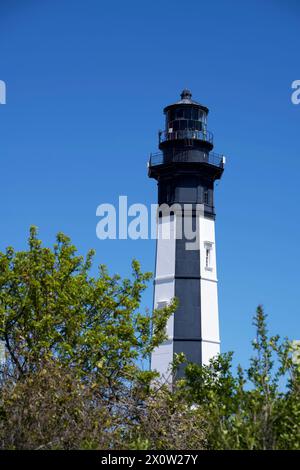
186	170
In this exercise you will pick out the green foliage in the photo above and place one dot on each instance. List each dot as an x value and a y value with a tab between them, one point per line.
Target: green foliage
255	409
55	318
74	377
50	307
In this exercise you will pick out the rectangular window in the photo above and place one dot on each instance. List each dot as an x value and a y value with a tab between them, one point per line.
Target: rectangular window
195	114
205	196
161	304
207	258
179	113
171	115
183	124
188	113
208	246
176	125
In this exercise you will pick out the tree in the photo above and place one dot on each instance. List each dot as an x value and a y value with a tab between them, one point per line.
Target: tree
54	315
74	375
50	307
53	409
258	408
168	422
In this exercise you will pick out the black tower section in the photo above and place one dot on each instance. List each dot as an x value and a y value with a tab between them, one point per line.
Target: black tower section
186	170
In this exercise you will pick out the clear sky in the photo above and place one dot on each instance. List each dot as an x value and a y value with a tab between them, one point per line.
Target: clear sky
86	84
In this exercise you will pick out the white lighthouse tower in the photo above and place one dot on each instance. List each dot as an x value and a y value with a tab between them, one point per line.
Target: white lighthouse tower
186	170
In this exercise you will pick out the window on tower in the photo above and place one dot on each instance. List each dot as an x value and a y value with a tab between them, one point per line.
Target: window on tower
175	125
188	113
195	114
207	258
179	113
171	115
208	255
205	196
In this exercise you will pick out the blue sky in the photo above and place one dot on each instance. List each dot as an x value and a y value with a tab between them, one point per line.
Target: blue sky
86	84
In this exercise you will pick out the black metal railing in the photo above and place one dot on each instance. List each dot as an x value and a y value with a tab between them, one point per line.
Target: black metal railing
192	134
211	158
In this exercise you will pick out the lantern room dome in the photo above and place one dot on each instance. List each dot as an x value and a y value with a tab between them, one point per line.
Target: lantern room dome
186	99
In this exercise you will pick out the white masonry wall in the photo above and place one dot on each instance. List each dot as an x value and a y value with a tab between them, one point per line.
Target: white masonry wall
164	290
208	290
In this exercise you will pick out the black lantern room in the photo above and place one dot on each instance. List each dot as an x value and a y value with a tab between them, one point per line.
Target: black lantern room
186	124
186	167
